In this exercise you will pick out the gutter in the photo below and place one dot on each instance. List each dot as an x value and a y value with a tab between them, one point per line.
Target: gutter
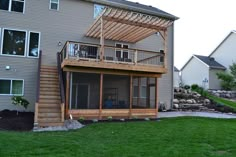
133	8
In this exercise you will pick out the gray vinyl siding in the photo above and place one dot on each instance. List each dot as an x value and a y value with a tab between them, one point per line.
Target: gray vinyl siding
214	82
69	23
165	83
17	71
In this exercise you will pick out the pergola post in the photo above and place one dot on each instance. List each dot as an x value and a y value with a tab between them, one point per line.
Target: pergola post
165	48
102	40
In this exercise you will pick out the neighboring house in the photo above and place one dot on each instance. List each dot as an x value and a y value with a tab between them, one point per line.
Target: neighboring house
177	79
109	49
225	51
202	70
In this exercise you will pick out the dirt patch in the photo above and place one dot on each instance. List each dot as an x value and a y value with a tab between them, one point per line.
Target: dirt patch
9	120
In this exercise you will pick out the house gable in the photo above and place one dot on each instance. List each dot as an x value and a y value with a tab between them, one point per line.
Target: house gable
225	52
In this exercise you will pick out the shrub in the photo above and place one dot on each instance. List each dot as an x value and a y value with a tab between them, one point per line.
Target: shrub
186	87
194	86
20	101
81	119
109	118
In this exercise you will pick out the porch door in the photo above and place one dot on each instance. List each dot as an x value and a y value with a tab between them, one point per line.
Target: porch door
83	96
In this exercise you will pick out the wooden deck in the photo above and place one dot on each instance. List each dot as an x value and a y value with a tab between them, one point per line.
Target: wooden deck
139	68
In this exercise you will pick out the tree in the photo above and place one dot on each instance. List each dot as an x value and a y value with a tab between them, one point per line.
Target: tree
228	79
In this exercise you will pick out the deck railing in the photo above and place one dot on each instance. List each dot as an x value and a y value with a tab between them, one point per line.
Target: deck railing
62	91
37	90
91	52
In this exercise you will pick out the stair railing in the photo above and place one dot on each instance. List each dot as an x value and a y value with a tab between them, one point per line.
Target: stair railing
62	91
37	90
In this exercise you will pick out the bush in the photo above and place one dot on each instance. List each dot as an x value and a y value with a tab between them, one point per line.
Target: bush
194	86
20	101
186	87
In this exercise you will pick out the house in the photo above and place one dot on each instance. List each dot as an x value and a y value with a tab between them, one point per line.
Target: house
177	79
201	70
86	58
225	51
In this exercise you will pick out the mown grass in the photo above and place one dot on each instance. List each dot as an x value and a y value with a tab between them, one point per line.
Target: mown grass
177	137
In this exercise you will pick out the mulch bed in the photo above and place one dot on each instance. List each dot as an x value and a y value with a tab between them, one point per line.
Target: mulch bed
10	121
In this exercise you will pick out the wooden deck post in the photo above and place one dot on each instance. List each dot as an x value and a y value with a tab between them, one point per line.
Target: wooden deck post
67	50
131	96
156	95
102	41
101	95
139	90
68	75
136	57
148	92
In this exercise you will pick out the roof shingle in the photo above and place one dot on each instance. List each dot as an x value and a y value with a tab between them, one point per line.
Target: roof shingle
210	61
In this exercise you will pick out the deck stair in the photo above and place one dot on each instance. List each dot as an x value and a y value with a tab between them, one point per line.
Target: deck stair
49	105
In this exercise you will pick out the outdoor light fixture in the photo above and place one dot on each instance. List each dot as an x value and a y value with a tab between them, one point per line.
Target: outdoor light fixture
59	43
7	67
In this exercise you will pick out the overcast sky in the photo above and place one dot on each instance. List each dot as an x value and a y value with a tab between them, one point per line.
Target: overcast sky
203	24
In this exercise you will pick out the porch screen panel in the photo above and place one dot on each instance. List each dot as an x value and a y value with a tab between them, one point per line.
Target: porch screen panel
85	91
144	93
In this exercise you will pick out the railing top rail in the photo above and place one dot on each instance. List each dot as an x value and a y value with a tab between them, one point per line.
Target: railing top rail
38	77
108	46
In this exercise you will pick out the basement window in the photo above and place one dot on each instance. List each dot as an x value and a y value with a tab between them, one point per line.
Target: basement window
11	87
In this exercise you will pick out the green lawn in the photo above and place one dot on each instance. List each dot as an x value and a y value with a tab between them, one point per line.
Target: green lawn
177	137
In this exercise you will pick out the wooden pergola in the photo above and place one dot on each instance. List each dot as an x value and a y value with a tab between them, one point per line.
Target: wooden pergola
127	26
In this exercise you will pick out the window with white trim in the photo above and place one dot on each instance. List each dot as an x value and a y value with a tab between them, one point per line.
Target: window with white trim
54	5
13	42
121	52
11	87
12	5
33	44
98	10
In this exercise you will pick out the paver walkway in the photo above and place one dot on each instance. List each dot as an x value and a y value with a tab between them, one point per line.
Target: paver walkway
195	114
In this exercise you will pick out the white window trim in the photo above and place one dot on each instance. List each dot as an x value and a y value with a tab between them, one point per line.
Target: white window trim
122	45
10	4
28	42
25	42
58	5
12	79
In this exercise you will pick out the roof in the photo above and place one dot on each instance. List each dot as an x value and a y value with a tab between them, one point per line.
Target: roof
232	32
137	7
176	69
208	61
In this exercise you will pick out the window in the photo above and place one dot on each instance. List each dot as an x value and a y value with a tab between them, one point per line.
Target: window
11	87
12	5
13	42
122	53
54	4
33	49
97	10
135	91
